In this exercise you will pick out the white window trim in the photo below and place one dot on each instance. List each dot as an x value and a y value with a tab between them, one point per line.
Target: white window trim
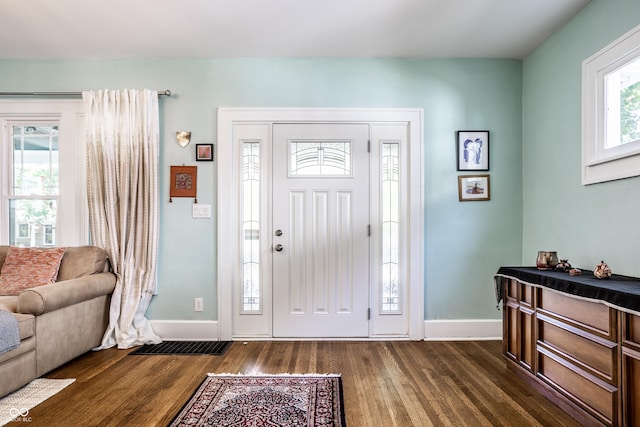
227	197
598	164
72	228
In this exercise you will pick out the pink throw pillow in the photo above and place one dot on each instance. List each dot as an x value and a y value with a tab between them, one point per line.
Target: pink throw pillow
26	268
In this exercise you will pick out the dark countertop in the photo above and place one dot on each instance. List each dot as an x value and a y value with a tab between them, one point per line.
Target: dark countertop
619	291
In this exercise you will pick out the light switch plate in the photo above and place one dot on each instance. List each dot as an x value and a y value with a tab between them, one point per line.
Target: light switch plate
201	211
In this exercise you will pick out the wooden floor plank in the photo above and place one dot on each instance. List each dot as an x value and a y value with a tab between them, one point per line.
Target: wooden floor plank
392	383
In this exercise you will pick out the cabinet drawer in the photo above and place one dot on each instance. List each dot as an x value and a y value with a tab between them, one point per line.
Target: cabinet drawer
591	352
596	397
593	316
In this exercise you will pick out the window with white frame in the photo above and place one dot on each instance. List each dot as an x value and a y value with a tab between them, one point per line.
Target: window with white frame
43	199
390	213
320	158
33	191
611	111
251	203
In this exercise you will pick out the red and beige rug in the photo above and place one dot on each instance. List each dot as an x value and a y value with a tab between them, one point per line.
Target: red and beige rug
265	400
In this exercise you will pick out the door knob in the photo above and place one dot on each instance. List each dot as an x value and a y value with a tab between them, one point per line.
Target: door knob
278	247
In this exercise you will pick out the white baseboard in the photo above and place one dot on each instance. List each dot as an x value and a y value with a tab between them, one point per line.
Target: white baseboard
434	330
464	329
186	330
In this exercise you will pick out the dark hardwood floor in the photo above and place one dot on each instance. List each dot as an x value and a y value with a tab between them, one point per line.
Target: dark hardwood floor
397	383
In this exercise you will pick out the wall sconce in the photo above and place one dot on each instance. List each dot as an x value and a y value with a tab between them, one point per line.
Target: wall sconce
183	137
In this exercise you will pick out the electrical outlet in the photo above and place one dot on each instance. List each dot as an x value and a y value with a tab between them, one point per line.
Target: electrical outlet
199	304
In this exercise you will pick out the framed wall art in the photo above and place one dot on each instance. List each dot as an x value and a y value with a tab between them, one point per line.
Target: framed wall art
472	188
472	150
184	180
204	152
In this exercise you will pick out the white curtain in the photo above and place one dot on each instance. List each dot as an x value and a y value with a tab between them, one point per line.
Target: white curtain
122	128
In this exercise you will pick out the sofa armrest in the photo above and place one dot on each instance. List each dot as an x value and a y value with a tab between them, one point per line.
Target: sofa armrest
46	298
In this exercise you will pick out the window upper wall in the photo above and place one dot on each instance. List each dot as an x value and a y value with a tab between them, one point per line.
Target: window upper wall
611	111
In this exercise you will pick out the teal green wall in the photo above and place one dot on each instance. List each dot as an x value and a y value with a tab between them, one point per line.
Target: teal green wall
465	242
583	223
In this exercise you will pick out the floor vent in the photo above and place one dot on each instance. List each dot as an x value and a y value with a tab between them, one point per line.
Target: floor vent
214	348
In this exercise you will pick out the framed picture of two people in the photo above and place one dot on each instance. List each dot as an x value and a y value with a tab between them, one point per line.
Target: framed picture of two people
472	149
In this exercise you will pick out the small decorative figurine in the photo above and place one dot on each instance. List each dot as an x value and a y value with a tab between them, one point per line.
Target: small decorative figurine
563	265
575	272
602	271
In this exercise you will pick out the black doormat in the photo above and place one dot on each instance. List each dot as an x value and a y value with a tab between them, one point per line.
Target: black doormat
215	348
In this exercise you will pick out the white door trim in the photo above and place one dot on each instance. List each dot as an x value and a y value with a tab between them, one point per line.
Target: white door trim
227	218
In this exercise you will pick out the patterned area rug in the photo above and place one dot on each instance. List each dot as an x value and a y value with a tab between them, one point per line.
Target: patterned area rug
265	400
15	407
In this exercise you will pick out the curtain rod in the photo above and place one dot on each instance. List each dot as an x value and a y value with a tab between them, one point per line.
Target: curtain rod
67	94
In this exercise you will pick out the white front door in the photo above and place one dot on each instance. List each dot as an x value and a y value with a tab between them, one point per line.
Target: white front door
330	275
320	224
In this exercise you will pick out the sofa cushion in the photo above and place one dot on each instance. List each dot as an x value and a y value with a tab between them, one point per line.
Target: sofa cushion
80	261
25	268
9	303
26	322
26	325
27	345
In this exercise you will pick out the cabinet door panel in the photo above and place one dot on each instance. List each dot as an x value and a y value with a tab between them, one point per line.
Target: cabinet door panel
631	387
527	295
527	339
511	347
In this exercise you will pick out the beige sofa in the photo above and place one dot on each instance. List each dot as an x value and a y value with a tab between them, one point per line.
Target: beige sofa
60	321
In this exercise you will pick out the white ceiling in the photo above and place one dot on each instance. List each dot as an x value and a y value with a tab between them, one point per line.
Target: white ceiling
126	29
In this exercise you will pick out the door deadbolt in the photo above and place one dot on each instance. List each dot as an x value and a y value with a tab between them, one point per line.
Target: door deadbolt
278	232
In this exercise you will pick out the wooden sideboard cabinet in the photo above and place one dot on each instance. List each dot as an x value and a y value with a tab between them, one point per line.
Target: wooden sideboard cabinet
581	351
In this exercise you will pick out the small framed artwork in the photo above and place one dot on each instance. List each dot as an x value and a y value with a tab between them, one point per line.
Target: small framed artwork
473	188
184	181
472	150
204	152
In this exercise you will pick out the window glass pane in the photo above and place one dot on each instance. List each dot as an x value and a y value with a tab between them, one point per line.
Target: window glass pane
251	301
49	236
32	222
23	230
35	160
320	158
623	105
630	103
390	227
